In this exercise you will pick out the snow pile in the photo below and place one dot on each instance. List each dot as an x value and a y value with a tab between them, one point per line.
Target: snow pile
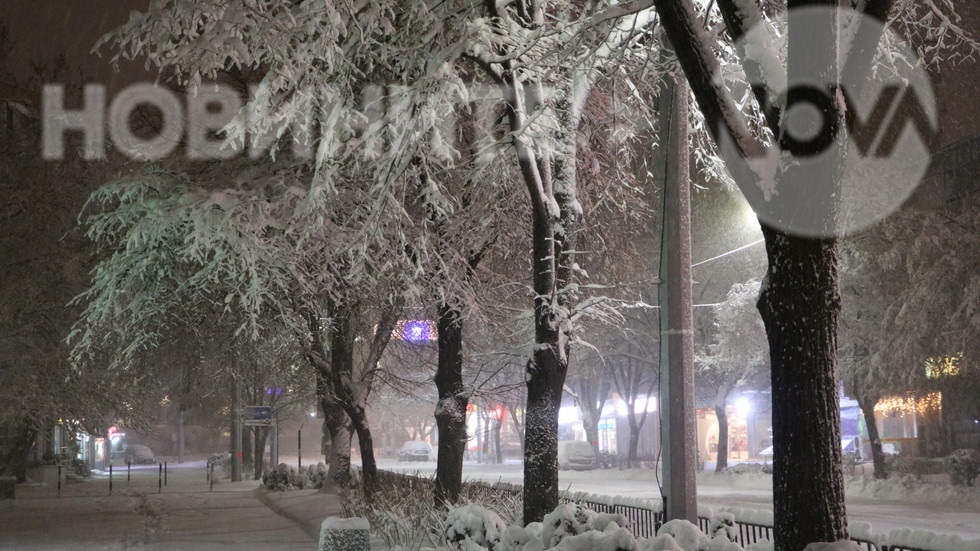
762	517
522	539
922	539
598	499
613	538
286	477
908	489
750	468
472	528
862	531
842	545
685	535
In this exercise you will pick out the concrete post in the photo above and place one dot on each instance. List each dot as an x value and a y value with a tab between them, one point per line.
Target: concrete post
679	427
344	534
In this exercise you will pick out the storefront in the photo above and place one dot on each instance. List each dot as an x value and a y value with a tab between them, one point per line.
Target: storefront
749	436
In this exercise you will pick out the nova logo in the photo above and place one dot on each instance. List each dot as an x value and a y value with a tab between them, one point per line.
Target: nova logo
852	148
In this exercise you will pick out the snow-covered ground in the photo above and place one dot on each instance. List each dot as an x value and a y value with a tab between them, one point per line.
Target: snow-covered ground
184	516
888	505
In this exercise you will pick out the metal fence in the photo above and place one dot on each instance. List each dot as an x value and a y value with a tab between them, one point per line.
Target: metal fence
646	521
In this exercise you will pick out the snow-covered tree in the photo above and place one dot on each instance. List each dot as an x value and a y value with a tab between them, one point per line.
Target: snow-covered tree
737	357
544	59
910	293
799	300
45	262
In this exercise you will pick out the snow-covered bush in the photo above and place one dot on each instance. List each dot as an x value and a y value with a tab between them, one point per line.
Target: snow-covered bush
613	538
747	468
279	478
683	534
221	461
722	524
963	466
401	514
474	527
565	520
916	467
317	475
286	477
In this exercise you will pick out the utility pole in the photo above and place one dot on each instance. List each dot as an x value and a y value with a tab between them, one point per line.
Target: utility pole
678	425
180	434
236	430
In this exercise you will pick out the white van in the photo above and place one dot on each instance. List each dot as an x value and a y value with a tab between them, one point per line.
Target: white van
575	454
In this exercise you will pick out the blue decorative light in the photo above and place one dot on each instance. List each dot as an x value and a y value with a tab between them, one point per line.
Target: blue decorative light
417	331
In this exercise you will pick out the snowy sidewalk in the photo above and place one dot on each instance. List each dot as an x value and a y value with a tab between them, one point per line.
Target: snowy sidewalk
184	516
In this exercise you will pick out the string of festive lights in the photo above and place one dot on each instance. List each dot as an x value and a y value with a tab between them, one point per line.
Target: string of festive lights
910	402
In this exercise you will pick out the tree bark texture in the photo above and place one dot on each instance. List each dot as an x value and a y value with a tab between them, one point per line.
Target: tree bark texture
338	431
541	435
800	305
342	338
451	408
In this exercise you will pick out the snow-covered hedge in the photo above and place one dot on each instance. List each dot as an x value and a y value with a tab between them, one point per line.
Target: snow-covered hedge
572	527
221	461
286	477
963	466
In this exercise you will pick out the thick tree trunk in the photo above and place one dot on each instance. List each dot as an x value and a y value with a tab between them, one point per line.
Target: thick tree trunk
541	434
342	338
544	379
23	440
800	304
247	449
867	404
451	408
590	422
338	433
721	412
336	439
591	397
261	437
498	454
236	428
518	425
721	461
634	442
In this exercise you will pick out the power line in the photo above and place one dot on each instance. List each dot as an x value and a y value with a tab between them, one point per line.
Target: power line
722	255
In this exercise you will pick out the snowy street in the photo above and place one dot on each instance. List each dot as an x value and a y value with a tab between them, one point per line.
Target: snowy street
185	516
885	506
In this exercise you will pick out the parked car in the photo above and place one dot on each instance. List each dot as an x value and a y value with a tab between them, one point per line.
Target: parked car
576	454
138	453
416	450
